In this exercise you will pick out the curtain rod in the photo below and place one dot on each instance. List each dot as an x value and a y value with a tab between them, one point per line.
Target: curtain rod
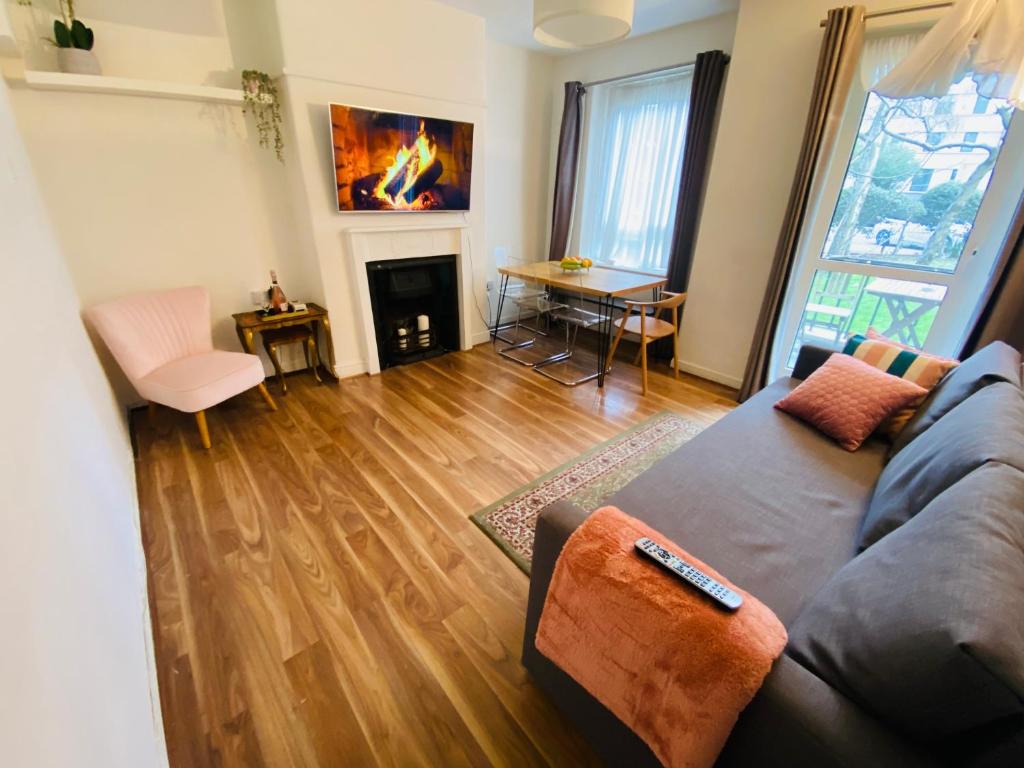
898	11
641	74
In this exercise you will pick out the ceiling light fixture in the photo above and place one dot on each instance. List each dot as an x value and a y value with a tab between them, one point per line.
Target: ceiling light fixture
581	23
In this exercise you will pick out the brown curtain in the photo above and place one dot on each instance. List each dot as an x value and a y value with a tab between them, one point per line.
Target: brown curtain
565	171
708	76
1000	313
840	52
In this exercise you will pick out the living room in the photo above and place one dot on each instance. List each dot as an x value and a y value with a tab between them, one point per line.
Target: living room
372	341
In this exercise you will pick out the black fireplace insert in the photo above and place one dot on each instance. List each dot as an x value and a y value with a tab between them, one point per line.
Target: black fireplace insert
415	308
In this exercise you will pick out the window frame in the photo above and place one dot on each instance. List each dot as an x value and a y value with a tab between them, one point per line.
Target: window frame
966	281
586	136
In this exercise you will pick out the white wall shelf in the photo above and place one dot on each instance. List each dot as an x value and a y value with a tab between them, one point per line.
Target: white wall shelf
61	81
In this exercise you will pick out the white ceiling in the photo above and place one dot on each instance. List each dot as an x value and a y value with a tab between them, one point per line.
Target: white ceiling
511	21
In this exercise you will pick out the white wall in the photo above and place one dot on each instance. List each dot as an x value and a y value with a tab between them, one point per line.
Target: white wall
760	130
519	115
676	45
79	683
149	193
409	56
141	38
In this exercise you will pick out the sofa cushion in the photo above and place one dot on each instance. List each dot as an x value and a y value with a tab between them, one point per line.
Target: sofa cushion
900	360
847	399
959	442
924	628
989	365
200	381
768	501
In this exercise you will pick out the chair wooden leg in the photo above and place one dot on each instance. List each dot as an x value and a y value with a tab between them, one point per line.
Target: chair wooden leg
636	357
151	412
266	396
643	353
204	431
615	342
312	358
675	339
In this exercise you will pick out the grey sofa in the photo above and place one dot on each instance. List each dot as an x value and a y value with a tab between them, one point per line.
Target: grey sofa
897	569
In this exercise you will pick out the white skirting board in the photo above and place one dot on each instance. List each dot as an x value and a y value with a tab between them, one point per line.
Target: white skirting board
356	367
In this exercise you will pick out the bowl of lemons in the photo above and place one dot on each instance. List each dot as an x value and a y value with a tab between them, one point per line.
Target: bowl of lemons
575	264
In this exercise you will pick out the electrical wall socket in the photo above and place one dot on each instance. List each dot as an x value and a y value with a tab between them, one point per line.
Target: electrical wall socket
490	286
257	297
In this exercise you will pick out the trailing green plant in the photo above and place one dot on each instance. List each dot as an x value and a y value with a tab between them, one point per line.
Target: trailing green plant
69	32
261	98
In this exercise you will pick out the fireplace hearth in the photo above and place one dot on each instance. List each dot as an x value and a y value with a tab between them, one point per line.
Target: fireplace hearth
415	308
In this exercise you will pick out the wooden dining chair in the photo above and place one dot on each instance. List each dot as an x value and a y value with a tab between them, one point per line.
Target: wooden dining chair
650	328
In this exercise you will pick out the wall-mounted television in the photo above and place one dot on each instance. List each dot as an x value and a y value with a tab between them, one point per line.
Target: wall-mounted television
388	161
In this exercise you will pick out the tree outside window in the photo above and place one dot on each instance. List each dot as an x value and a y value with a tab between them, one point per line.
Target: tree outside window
912	188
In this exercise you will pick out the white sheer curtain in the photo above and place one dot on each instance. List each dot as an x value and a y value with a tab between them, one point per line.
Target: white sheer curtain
635	135
881	55
983	37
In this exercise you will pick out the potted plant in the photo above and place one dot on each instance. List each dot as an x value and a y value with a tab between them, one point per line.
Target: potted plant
74	42
262	101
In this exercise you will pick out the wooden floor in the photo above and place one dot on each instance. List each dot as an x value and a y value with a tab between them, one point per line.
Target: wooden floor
319	594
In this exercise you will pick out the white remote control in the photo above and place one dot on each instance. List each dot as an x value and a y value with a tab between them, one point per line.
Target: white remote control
721	593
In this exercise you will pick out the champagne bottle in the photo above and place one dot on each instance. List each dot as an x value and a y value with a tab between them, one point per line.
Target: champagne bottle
278	302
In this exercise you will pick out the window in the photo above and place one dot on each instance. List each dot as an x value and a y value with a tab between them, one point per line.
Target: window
969	138
890	209
920	181
635	133
903	208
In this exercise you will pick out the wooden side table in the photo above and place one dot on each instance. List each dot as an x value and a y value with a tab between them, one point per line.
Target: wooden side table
248	324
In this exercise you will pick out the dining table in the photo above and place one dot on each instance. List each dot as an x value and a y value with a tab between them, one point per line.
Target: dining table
602	285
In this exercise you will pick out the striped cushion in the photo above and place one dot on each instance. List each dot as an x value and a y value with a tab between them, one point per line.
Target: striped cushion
899	360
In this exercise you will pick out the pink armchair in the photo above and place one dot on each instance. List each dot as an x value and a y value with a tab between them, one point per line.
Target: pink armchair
162	342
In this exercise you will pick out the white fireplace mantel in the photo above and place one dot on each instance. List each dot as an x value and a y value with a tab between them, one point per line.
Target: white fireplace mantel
383	243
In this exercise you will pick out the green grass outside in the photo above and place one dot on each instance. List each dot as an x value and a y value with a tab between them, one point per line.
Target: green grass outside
866	306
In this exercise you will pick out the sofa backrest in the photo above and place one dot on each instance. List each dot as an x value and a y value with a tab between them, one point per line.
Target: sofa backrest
987	426
923	627
995	363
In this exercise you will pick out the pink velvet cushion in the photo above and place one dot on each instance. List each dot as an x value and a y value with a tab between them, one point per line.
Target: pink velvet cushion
847	399
197	382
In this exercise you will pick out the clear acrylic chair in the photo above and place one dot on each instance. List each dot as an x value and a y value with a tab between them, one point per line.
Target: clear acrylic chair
574	318
538	305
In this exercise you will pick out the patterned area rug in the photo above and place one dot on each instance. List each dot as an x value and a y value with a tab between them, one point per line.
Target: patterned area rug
586	481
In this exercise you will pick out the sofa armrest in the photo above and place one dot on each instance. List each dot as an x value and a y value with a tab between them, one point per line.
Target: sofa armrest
809	359
554	526
796	718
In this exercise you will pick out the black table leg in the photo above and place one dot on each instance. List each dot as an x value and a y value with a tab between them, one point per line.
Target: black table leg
604	308
501	305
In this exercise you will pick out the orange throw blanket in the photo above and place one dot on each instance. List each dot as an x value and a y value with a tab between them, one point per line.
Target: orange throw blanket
658	653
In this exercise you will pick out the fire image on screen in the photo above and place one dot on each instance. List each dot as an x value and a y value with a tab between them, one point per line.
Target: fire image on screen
386	161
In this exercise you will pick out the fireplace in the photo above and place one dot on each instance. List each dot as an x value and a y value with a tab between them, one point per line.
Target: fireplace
415	308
